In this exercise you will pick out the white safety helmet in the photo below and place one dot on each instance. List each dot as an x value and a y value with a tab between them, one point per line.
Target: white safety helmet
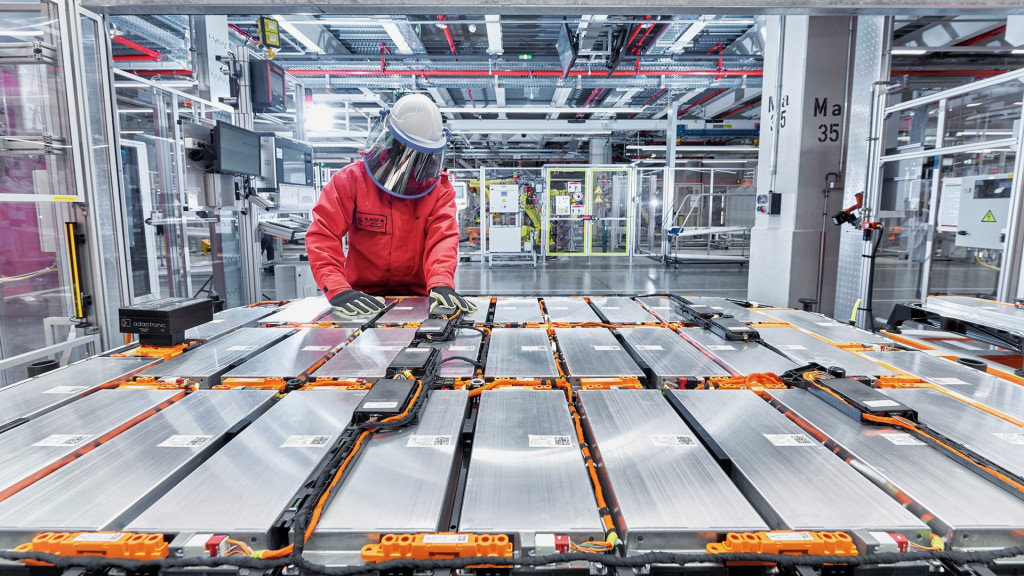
405	148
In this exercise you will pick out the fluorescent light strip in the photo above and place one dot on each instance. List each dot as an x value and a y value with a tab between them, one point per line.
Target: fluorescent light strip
302	38
683	148
397	37
907	52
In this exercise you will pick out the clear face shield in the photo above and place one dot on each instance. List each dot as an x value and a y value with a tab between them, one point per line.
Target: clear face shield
400	166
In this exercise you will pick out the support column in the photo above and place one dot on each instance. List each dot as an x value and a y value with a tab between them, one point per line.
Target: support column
600	151
802	124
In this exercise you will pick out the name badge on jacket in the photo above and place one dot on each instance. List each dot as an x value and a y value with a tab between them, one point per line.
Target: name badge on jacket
372	222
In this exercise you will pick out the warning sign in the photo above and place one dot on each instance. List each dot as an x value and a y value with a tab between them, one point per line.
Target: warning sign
989	217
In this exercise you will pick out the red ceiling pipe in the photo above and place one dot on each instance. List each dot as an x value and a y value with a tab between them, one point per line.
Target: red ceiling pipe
984	36
703	100
244	34
513	73
635	32
739	109
162	72
976	73
639	45
447	34
151	55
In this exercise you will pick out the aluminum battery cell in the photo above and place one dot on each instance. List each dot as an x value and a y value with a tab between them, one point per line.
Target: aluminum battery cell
724	306
520	353
622	310
526	473
517	311
34	397
402	482
663	307
110	485
738	356
301	311
958	504
368	356
227	321
478	316
569	310
669	356
644	447
294	355
594	353
43	445
244	488
793	482
805	349
993	438
825	327
405	311
335	318
987	312
208	362
466	344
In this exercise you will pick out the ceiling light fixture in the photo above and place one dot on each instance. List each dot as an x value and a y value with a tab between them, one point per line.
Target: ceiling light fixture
292	29
908	52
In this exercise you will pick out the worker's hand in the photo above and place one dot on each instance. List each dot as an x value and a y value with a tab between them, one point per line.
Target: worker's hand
445	297
356	303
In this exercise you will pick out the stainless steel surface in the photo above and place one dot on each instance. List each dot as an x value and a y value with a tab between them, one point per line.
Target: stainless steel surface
594	352
336	318
416	309
725	306
294	355
526	473
740	357
208	362
803	348
32	450
517	311
663	307
569	310
110	485
400	483
36	396
975	385
1002	316
644	447
369	355
226	321
245	486
774	461
825	327
465	344
621	310
479	316
669	356
301	311
957	503
993	438
520	353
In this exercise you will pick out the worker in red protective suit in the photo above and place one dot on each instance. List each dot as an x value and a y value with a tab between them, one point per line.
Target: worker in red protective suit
398	209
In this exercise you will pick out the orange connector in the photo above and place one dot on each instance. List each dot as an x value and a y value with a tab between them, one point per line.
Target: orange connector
901	381
627	382
763	380
440	546
150	383
332	384
123	545
786	542
276	384
165	352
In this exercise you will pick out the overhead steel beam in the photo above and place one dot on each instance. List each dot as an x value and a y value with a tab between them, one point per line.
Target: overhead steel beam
495	46
590	29
499	94
946	33
315	37
558	100
751	43
730	100
589	127
403	35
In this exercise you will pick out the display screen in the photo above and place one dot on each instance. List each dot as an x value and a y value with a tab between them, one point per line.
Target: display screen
993	188
566	47
294	164
238	150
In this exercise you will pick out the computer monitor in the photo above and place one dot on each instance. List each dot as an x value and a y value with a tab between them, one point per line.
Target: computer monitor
237	150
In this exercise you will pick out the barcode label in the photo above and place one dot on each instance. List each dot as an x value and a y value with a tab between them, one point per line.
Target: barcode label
717	308
445	538
901	439
549	441
184	441
947	381
828	324
720	347
789	536
241	348
316	348
558	307
380	405
306	441
462	348
791	347
668	440
607	348
428	440
789	439
66	390
660	307
66	440
533	348
99	537
389	348
881	403
609	307
1011	437
649	347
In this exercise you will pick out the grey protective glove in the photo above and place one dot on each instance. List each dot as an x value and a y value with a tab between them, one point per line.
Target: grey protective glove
356	303
445	297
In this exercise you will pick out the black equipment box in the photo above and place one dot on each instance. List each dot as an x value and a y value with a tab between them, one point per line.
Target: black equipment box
164	322
385	399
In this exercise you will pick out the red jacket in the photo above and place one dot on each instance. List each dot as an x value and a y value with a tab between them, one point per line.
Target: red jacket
396	246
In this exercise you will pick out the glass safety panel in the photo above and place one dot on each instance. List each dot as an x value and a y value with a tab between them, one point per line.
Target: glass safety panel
567	206
610	195
469	212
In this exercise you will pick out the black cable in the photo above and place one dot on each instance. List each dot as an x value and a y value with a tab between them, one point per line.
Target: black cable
463	359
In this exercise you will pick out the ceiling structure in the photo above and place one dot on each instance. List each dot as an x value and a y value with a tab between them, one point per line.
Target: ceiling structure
499	81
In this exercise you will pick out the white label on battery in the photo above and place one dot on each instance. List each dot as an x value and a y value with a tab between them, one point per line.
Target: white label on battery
428	440
828	324
947	381
241	348
306	441
99	537
558	307
533	348
720	347
789	440
389	348
881	403
380	405
1011	437
462	348
649	347
184	441
316	348
669	440
65	440
791	347
549	441
660	307
789	536
901	439
402	308
607	348
717	308
66	390
609	307
445	538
